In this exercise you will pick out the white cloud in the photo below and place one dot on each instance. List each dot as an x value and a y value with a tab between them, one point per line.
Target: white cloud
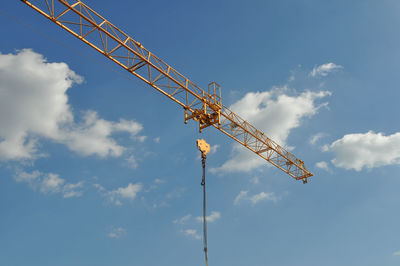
183	220
263	197
254	199
397	253
33	101
276	114
22	176
117	233
93	136
99	187
157	140
211	218
324	70
192	233
34	106
214	148
124	193
129	126
71	190
255	180
141	138
365	150
176	193
49	183
323	165
132	162
159	181
155	185
241	196
316	138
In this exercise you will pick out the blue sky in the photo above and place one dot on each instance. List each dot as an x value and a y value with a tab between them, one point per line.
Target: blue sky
99	169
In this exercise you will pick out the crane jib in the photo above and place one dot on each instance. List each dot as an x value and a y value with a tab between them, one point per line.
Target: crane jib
205	107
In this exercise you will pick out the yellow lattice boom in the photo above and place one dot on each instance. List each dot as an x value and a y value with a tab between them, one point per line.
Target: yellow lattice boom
205	107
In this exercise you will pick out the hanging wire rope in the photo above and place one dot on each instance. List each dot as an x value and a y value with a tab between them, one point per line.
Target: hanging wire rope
203	183
204	147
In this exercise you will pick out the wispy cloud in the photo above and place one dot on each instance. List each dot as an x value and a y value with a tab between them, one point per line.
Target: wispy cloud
314	139
256	198
131	160
263	197
71	190
324	69
99	187
117	233
155	184
183	220
214	216
191	233
397	253
117	196
22	176
159	181
255	180
214	148
50	183
241	196
323	165
176	193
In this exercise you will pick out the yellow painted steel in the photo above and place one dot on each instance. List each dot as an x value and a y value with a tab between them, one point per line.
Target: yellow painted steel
203	146
204	107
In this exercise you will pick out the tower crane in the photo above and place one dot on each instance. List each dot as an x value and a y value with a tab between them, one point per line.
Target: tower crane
204	107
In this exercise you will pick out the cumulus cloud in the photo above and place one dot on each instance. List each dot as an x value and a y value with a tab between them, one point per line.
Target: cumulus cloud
211	218
365	150
34	106
256	198
117	233
324	69
93	136
276	114
124	193
49	183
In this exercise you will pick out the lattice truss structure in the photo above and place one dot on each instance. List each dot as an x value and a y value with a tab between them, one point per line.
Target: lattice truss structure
203	106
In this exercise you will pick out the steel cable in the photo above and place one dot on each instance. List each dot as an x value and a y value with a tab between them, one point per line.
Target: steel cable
203	183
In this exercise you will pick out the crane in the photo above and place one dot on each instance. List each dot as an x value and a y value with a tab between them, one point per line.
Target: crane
204	107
